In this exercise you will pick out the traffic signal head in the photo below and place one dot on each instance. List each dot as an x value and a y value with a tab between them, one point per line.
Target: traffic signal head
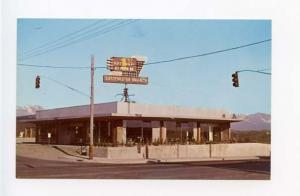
235	79
37	81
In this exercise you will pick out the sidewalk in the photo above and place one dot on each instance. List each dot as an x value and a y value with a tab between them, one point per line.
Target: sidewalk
69	154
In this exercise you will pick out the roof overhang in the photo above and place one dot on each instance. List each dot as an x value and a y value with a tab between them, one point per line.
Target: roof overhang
111	116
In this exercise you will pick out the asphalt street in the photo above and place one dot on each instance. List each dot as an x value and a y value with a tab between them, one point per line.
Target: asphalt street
221	170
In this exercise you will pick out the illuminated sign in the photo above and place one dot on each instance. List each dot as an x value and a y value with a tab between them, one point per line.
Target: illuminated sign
124	64
125	79
125	70
122	61
122	68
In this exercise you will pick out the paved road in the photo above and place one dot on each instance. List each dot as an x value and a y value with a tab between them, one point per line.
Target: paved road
231	170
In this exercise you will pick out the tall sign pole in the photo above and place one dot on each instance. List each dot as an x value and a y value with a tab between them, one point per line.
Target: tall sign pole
91	147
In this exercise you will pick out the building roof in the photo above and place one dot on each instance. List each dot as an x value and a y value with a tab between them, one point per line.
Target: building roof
135	110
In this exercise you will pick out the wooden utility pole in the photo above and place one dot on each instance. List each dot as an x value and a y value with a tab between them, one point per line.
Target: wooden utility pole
91	147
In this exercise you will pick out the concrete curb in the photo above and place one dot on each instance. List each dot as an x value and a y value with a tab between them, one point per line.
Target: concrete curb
155	161
180	160
145	161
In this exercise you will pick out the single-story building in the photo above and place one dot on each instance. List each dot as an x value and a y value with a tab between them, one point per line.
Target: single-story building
122	123
25	130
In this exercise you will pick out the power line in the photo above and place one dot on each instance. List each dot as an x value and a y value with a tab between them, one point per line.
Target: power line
209	53
256	71
264	69
164	61
101	32
69	39
64	36
67	86
65	42
57	67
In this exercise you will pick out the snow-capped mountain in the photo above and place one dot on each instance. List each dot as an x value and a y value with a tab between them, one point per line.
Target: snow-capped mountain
28	110
258	121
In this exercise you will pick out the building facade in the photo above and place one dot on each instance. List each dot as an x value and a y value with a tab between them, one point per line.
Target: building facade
120	123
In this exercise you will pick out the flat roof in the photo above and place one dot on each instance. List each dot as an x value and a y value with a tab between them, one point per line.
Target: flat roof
134	111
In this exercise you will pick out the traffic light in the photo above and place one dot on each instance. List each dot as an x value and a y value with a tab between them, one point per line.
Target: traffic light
37	81
235	79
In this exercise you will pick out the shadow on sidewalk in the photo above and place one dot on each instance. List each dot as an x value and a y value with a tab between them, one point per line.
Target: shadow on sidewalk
69	154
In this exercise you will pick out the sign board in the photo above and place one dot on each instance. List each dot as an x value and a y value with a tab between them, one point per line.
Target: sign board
122	68
122	61
125	70
125	79
124	64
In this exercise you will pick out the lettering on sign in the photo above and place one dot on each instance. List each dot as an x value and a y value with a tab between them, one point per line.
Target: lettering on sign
125	70
122	61
122	68
125	79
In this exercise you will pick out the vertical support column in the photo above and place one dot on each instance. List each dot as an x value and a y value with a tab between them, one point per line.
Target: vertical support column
124	132
58	130
119	132
210	133
229	133
37	133
155	125
222	132
108	129
142	129
54	135
25	132
179	128
99	132
223	138
195	131
114	132
87	136
198	132
163	132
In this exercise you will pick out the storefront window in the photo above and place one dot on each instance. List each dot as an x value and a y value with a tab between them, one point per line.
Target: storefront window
138	131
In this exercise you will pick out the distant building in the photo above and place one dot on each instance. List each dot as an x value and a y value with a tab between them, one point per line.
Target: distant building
26	130
120	123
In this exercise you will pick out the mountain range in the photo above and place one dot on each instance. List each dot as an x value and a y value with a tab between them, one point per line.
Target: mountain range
28	110
258	121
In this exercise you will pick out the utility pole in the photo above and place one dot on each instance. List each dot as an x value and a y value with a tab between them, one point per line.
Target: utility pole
91	147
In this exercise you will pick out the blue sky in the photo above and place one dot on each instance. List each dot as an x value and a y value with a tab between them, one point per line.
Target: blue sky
197	82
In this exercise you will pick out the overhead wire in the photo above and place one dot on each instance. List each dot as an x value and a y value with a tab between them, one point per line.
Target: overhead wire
64	36
69	39
175	59
208	53
67	86
58	67
264	69
87	37
255	71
